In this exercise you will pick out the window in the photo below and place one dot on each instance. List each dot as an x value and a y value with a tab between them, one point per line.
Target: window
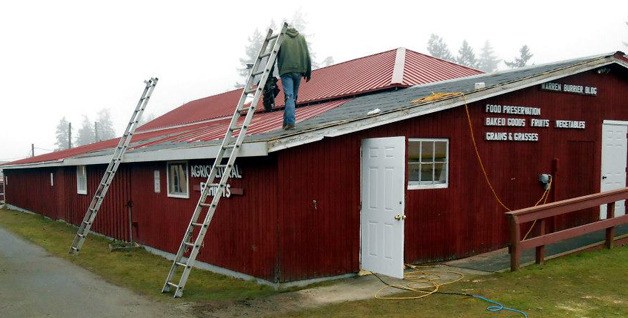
156	181
81	180
428	163
52	179
178	179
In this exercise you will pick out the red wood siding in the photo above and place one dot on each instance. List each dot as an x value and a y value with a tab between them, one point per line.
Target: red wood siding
299	215
242	235
30	189
463	219
319	209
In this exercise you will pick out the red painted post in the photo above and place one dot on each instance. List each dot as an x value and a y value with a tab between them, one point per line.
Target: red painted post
540	250
515	250
610	232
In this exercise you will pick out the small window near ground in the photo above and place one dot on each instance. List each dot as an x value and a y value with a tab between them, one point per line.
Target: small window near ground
428	163
178	180
156	181
81	180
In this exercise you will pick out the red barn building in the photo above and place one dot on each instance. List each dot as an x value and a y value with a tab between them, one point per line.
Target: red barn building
397	158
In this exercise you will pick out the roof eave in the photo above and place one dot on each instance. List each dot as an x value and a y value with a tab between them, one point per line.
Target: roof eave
364	123
252	149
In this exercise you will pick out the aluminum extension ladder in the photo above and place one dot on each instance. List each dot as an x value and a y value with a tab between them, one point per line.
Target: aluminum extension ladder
193	237
101	192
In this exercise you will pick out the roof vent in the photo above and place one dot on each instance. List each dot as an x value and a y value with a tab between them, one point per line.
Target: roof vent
480	85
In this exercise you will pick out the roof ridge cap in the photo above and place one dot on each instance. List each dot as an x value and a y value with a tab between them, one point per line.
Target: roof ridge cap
399	66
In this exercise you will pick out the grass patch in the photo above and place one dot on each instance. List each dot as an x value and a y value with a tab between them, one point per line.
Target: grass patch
591	284
137	269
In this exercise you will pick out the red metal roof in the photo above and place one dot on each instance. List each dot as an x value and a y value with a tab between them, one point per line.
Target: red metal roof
207	118
347	79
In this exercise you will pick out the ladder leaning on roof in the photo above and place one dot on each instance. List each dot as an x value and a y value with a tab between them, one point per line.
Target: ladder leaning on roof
193	237
110	172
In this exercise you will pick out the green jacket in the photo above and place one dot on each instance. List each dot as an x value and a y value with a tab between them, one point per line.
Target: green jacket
294	56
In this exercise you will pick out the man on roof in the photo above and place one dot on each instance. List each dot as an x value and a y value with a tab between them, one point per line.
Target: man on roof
293	61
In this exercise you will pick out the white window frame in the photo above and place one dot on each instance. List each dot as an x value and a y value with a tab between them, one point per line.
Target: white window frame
416	185
52	179
81	180
183	195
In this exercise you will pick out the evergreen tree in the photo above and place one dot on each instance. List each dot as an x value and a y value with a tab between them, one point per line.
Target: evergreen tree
327	61
85	134
250	53
438	48
146	118
626	43
298	22
62	135
466	56
487	62
105	126
522	60
256	40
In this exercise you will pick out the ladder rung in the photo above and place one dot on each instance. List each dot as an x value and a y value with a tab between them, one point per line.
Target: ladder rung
231	146
245	110
181	264
85	222
189	244
274	36
258	73
265	55
253	90
74	248
80	235
173	285
237	128
197	224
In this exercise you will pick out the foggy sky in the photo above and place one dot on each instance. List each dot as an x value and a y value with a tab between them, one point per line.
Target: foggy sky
73	58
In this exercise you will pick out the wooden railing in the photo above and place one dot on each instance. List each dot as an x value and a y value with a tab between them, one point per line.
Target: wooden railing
542	212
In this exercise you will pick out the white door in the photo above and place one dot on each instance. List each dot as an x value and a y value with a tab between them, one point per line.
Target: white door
614	151
383	205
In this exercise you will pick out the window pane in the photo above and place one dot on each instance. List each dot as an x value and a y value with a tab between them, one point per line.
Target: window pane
427	162
414	172
440	153
427	172
440	173
413	151
177	179
427	151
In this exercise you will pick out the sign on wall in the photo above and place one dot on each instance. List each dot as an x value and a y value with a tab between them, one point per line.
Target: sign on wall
570	88
202	171
527	117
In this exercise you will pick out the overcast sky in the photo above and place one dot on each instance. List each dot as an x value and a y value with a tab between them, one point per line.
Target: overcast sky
73	58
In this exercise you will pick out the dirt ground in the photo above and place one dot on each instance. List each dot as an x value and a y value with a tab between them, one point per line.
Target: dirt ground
349	289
